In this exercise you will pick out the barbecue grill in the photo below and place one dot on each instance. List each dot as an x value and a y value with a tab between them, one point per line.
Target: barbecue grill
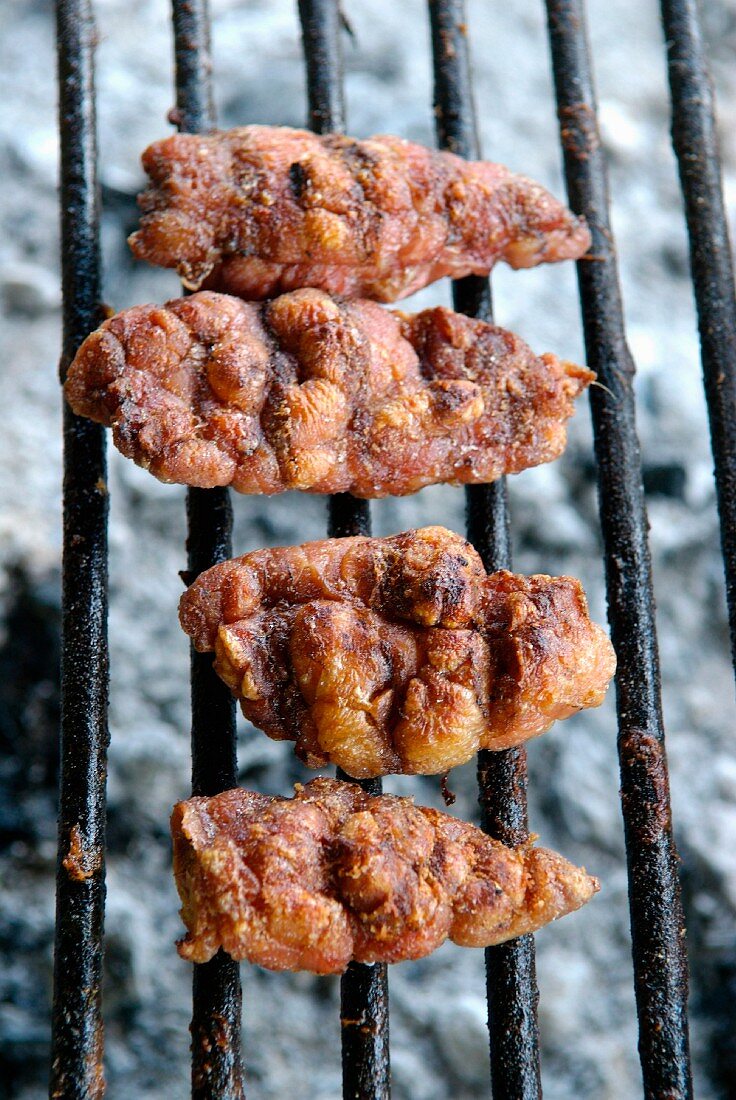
660	965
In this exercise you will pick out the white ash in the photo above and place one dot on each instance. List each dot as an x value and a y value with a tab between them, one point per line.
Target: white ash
437	1031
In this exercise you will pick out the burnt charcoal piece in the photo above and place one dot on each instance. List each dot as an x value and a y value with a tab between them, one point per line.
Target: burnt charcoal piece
397	654
310	393
260	210
334	874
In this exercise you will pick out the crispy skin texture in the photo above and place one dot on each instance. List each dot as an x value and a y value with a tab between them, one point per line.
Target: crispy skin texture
397	654
334	874
309	393
260	210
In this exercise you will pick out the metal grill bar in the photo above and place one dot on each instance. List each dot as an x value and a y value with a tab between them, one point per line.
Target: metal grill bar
696	144
77	1038
657	923
510	968
217	1069
366	1071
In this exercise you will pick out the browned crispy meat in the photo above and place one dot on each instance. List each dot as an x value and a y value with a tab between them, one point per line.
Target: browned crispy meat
309	393
260	210
333	874
397	654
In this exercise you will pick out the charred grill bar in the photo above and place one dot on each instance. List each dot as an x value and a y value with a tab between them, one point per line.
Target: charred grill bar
656	916
321	27
216	993
510	967
363	989
77	1038
657	922
696	144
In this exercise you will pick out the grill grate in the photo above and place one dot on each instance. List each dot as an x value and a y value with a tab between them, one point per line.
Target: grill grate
660	966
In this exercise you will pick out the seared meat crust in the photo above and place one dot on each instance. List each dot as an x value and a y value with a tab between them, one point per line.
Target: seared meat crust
260	210
397	654
334	874
310	393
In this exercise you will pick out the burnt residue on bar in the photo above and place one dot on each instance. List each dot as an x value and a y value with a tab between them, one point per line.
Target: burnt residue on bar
657	925
366	1072
217	1071
696	144
215	1029
364	1025
510	968
77	1036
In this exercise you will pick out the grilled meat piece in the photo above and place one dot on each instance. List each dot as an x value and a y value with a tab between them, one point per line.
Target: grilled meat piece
396	654
260	210
334	874
309	393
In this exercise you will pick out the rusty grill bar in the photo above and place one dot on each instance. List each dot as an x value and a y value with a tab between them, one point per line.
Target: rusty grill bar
216	993
696	145
77	1045
660	965
510	968
657	922
366	1071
